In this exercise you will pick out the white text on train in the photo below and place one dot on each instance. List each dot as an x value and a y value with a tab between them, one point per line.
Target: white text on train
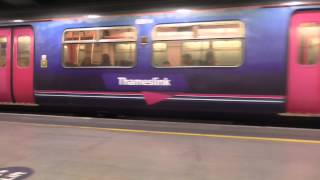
155	81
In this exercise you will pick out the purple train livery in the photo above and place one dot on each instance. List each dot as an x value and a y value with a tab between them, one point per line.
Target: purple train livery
262	59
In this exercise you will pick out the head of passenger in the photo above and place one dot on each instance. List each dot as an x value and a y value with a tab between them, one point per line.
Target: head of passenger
86	61
210	58
187	60
166	63
105	60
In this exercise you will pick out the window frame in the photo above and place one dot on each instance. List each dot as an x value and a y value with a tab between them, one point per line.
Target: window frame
135	41
242	38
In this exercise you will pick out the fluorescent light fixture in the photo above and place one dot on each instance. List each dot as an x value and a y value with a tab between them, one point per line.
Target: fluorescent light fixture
18	20
144	21
294	3
93	16
183	11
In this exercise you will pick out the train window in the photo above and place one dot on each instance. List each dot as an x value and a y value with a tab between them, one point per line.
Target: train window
3	51
310	43
80	35
100	47
227	52
160	53
24	51
118	34
194	53
198	44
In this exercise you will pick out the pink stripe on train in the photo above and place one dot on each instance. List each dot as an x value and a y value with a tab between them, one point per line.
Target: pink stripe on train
176	94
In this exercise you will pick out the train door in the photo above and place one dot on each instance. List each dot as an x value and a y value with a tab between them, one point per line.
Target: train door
5	65
304	64
23	63
16	65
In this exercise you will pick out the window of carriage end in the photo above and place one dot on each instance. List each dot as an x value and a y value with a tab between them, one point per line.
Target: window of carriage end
309	51
203	44
100	47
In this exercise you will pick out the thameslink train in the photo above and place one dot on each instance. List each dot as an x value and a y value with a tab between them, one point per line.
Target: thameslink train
249	59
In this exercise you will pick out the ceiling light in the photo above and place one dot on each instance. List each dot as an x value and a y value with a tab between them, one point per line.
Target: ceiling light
183	11
294	3
93	16
18	20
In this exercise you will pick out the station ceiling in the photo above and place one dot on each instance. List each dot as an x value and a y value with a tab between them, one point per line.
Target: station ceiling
15	9
46	3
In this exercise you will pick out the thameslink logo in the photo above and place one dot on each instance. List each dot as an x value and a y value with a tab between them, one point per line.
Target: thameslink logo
155	81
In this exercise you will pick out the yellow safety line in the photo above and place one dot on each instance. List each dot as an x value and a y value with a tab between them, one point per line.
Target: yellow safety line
176	133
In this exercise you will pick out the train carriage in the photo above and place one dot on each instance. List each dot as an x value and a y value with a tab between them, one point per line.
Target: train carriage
248	59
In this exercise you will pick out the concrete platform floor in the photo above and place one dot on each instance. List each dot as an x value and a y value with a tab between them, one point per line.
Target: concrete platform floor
65	152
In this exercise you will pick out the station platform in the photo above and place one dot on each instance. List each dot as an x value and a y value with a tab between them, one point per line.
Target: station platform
84	148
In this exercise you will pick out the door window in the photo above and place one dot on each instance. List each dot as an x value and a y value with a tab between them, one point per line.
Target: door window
24	51
3	51
310	43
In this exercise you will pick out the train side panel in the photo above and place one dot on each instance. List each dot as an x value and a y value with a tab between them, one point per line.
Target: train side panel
258	85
